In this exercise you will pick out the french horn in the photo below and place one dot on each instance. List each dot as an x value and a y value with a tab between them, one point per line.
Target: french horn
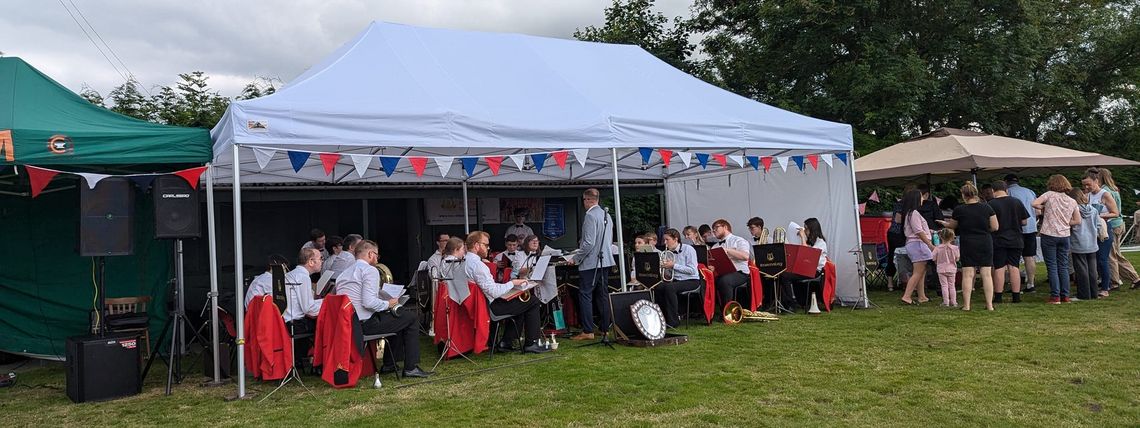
734	313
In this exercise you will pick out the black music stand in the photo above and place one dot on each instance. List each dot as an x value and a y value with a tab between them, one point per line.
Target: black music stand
449	343
772	261
647	269
702	254
279	289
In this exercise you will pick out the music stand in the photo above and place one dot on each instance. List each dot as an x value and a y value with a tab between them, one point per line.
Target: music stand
452	276
772	261
647	269
702	254
283	306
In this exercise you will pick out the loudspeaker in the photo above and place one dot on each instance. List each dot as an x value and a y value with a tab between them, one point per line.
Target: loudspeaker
623	317
105	226
175	208
102	368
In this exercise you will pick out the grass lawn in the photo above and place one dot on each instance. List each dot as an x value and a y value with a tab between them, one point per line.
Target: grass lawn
1030	364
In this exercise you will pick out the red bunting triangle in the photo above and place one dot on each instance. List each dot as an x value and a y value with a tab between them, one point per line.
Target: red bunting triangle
814	161
418	164
720	158
191	175
666	154
40	178
560	158
767	162
494	162
329	161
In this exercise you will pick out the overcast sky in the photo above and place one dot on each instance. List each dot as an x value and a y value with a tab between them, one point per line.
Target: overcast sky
236	41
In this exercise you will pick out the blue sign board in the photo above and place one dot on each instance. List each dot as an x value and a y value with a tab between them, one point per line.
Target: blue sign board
553	221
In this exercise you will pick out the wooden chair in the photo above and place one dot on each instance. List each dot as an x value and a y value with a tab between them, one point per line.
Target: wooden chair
121	306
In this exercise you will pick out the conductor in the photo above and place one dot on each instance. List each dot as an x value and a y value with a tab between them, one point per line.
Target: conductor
594	259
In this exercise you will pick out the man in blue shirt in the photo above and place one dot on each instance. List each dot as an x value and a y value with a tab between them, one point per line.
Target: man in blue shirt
1028	231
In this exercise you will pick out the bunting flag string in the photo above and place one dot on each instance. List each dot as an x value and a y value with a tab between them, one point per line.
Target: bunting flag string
580	155
469	165
41	177
703	159
389	164
361	163
767	161
686	158
799	160
666	156
519	160
755	162
646	152
444	164
738	160
842	157
192	175
419	163
783	161
329	161
297	159
263	156
814	161
494	163
826	157
560	158
539	160
720	158
874	196
862	208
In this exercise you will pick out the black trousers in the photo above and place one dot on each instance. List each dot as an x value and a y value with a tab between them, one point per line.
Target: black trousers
667	294
1084	268
407	329
593	288
797	292
528	311
726	286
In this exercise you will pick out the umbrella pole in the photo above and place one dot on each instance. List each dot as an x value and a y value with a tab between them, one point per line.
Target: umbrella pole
617	219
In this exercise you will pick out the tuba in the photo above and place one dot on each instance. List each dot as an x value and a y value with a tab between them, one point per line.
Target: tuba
667	256
780	236
764	235
735	314
386	278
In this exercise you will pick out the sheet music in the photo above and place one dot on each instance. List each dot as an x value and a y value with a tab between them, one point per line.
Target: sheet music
539	270
321	283
392	291
793	233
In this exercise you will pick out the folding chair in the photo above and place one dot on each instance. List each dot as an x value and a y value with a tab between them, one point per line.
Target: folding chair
875	264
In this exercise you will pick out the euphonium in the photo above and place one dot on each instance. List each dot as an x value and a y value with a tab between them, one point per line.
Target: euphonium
386	278
764	234
667	256
780	236
735	314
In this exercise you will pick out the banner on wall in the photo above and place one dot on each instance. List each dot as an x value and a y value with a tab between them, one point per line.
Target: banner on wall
553	221
507	207
449	211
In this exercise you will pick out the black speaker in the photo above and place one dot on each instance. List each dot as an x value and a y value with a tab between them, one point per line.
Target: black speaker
102	368
175	208
623	317
105	226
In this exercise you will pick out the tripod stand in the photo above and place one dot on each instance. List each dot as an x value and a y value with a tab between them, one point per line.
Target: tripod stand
449	344
177	319
293	373
861	265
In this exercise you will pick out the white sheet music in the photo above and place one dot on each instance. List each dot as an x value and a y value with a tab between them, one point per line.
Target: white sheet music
320	285
539	270
392	291
793	231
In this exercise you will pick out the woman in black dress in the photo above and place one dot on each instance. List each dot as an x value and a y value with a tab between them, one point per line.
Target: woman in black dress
974	221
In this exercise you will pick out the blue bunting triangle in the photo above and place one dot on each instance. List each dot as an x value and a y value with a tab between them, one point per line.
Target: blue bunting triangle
799	160
703	158
539	159
842	157
754	161
645	153
143	181
297	159
469	165
389	164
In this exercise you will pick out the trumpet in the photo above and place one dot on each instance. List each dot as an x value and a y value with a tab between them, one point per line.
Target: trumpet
735	314
667	256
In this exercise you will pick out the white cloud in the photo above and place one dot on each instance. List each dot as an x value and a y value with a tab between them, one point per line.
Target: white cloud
235	42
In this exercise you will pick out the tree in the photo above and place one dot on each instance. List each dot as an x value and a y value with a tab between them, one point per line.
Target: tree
259	87
92	96
127	99
634	22
200	107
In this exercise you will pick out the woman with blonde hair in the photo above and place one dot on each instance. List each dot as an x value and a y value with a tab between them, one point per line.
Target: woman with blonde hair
1058	214
1119	268
974	221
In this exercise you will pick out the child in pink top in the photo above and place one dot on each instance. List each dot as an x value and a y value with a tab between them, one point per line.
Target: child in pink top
946	260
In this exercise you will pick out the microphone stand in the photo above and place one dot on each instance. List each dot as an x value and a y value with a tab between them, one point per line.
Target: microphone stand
599	272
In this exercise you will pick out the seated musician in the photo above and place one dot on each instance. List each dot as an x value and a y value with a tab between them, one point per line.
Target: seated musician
739	251
510	257
361	283
533	250
685	277
335	246
341	260
523	305
302	309
437	256
811	234
756	228
317	242
692	236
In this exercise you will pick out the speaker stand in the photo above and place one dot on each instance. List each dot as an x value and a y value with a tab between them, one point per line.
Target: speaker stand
101	291
176	324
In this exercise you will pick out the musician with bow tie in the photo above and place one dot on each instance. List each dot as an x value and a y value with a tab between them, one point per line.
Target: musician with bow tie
684	278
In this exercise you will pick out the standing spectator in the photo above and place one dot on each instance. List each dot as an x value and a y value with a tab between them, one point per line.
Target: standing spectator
1118	267
1028	232
933	215
918	245
974	220
1083	241
1058	213
1011	216
896	245
946	260
1100	199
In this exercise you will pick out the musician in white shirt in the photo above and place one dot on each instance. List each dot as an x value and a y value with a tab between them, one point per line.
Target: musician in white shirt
811	234
341	260
317	242
756	228
519	229
739	251
524	305
533	250
685	276
361	283
512	256
301	308
436	257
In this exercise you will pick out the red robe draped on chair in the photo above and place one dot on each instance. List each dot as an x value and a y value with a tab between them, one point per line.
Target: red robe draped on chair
470	321
756	285
828	284
269	350
334	347
710	291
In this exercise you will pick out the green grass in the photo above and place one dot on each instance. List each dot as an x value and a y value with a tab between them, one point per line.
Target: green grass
1029	364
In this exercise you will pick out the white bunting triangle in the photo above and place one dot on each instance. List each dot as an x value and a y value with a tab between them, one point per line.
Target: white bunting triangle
92	179
444	164
783	160
361	163
826	158
519	160
581	155
738	159
1136	191
263	156
686	158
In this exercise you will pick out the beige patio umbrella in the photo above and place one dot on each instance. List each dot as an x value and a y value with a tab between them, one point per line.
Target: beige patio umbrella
948	153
